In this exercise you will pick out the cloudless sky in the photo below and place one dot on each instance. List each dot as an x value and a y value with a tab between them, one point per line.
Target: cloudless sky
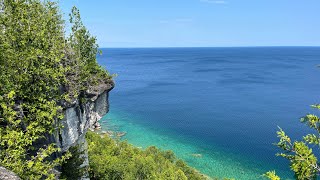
200	23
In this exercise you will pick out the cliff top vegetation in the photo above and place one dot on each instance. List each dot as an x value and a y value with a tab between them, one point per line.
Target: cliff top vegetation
41	68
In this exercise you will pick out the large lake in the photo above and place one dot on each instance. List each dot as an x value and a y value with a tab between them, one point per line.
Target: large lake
216	108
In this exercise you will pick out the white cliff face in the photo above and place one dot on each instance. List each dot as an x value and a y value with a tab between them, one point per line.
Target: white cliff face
82	117
70	131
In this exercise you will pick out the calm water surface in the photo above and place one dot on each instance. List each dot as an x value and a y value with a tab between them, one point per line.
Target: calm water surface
222	103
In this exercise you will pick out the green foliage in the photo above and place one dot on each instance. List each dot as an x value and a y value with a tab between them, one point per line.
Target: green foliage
111	159
272	175
303	161
31	47
35	65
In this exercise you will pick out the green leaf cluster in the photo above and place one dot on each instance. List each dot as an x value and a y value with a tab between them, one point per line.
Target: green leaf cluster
303	161
112	159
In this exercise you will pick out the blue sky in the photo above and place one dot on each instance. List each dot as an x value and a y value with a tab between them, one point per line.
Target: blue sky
200	23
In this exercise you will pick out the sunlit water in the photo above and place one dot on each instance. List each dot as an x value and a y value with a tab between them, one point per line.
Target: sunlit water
216	108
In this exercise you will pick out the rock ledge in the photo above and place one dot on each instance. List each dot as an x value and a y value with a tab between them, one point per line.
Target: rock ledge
7	175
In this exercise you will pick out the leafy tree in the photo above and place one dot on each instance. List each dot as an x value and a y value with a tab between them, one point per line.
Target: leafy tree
303	161
39	68
31	46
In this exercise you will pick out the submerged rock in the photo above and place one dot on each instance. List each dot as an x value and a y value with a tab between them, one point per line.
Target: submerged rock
121	134
197	155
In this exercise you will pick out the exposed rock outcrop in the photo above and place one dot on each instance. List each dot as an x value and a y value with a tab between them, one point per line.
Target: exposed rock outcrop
83	115
7	175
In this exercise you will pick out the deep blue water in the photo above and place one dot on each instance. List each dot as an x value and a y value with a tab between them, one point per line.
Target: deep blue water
229	100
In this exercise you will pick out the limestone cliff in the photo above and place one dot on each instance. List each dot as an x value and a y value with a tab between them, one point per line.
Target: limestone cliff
81	116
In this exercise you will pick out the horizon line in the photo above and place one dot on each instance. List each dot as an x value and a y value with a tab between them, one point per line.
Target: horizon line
150	47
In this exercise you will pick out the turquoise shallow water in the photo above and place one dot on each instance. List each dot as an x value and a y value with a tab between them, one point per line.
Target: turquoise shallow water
222	103
214	161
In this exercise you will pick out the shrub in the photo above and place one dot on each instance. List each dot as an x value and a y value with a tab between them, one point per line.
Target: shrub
112	159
